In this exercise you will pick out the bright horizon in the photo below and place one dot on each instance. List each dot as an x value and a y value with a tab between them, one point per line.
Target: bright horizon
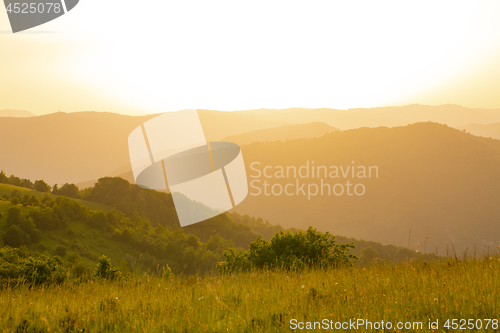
118	57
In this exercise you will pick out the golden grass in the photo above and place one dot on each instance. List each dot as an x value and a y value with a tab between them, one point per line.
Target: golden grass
260	301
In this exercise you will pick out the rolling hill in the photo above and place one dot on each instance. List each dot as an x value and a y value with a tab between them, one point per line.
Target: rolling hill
68	229
282	133
484	130
452	115
65	148
15	113
83	146
438	188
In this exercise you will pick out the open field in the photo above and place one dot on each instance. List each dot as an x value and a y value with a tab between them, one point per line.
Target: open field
262	301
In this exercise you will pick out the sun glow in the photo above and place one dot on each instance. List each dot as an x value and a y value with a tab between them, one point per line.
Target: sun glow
130	57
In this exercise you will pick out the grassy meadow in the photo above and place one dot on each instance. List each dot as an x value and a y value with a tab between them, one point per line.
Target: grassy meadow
261	301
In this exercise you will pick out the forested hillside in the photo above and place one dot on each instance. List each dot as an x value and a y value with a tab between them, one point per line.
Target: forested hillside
137	228
431	188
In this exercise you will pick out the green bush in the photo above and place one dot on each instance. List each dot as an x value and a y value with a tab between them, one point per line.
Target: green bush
31	268
15	237
16	218
42	186
288	250
37	271
33	201
60	250
105	270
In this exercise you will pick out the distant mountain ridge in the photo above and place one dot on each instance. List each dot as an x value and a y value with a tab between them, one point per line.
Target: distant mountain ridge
15	113
433	180
484	130
83	146
452	115
282	133
438	188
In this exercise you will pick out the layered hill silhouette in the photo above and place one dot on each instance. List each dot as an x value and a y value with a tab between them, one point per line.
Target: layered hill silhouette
84	146
282	133
15	113
452	115
438	188
66	148
484	130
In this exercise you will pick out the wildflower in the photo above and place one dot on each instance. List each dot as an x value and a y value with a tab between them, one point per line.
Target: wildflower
302	286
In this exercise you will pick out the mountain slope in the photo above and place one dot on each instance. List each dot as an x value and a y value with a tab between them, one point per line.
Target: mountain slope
62	147
15	113
84	235
437	187
484	130
282	133
452	115
84	146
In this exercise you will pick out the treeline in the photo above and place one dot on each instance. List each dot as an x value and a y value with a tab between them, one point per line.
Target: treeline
69	190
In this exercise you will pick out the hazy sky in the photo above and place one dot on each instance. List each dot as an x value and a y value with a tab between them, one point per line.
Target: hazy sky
150	56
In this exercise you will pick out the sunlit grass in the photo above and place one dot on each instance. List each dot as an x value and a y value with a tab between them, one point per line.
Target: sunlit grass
260	301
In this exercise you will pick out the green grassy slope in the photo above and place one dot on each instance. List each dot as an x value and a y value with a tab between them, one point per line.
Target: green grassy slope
87	242
6	189
79	238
